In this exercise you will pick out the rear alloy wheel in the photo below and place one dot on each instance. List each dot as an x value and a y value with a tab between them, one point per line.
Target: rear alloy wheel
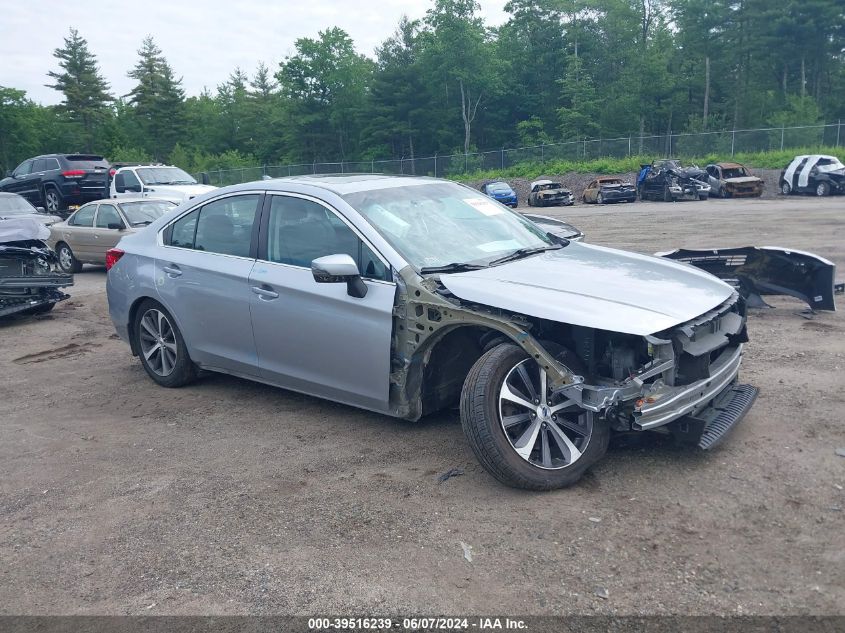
52	200
520	433
599	198
67	261
785	189
823	189
161	347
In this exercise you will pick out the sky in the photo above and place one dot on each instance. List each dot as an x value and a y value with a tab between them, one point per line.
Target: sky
203	41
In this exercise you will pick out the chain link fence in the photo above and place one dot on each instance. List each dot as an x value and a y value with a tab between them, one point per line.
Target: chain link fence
684	145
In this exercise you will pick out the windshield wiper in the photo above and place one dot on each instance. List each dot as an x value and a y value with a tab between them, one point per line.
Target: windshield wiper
525	252
454	267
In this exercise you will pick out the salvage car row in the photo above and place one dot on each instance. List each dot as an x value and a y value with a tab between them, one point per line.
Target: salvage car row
670	181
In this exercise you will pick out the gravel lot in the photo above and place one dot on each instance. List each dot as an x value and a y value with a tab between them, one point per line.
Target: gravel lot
225	497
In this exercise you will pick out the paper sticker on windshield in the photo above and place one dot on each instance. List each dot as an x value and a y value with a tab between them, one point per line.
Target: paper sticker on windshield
485	205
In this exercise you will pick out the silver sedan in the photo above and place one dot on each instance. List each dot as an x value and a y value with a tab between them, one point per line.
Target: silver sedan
406	296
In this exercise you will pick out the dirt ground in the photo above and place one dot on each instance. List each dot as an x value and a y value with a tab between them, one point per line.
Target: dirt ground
229	497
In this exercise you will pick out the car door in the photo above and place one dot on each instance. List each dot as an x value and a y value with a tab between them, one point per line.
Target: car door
315	337
103	237
590	192
202	276
24	183
78	233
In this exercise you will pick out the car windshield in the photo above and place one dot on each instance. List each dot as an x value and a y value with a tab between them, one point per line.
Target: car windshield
499	187
164	176
15	205
610	181
734	172
144	212
439	224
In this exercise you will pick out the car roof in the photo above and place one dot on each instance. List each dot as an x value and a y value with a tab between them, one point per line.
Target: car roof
729	165
606	178
341	184
542	182
126	199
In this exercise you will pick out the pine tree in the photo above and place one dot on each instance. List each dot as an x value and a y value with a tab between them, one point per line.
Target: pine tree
158	100
86	93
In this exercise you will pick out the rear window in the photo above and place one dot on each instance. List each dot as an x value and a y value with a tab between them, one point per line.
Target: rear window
87	161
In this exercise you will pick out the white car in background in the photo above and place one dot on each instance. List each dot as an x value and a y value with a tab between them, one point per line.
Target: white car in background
165	182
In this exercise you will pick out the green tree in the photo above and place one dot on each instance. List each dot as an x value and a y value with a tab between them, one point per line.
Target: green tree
86	93
325	83
158	100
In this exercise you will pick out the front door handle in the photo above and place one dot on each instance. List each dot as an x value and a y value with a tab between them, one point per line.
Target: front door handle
172	271
265	292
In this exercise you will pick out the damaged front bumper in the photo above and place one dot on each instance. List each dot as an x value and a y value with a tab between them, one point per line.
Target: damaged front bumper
707	351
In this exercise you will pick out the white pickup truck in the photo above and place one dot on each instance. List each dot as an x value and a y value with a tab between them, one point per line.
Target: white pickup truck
155	181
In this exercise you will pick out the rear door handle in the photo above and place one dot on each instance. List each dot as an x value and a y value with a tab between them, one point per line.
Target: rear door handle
172	271
264	292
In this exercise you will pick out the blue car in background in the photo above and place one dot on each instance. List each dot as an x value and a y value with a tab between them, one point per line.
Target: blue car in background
502	192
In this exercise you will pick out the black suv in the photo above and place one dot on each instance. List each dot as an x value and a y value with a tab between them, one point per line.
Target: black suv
59	181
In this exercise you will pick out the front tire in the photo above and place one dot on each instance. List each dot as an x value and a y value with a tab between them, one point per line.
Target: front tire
823	189
521	436
785	189
53	202
67	260
161	347
599	199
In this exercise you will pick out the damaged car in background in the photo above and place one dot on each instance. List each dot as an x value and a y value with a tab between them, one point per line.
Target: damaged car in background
30	281
815	174
732	180
669	181
609	189
407	296
547	193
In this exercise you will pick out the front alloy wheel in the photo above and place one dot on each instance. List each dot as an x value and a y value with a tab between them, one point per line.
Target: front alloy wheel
545	434
523	435
822	189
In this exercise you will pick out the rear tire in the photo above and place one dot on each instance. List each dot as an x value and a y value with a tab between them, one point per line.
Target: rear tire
67	260
53	202
823	189
484	425
161	347
599	199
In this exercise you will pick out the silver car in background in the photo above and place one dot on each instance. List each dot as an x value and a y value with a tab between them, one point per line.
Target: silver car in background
406	296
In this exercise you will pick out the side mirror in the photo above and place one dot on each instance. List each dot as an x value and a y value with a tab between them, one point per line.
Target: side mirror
119	183
333	269
116	226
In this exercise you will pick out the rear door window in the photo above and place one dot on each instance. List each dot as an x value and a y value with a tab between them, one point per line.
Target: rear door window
223	226
84	217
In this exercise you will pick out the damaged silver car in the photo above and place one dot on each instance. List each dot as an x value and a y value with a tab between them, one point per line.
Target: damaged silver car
407	296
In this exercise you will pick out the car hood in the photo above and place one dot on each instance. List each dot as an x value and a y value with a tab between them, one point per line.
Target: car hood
41	218
179	193
743	180
593	286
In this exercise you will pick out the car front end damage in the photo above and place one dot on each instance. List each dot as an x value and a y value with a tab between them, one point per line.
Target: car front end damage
681	380
745	187
30	280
